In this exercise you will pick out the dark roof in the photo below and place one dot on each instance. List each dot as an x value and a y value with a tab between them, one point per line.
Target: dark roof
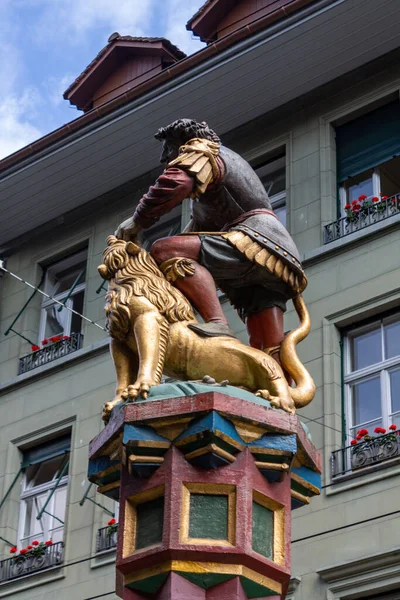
136	42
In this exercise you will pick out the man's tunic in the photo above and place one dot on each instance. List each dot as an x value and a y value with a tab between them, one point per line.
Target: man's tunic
247	250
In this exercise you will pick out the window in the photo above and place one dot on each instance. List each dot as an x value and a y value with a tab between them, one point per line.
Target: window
273	177
65	281
372	378
44	492
367	155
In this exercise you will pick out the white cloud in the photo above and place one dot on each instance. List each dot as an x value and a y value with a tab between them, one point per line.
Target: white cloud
69	20
178	14
16	130
56	86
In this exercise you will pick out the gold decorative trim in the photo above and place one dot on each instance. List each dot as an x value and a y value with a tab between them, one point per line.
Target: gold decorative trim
198	157
170	428
306	484
145	459
300	497
130	524
185	566
248	431
272	466
110	486
208	488
151	444
264	258
210	448
219	434
177	268
279	525
271	451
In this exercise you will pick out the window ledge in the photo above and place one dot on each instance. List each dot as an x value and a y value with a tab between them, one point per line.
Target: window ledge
44	370
364	476
321	253
376	573
27	582
104	558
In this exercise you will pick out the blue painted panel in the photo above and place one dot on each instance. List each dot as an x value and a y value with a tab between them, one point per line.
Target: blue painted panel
276	442
211	422
100	464
308	475
145	433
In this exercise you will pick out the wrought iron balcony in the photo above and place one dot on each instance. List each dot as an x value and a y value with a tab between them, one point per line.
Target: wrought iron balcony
49	353
366	216
107	538
31	562
365	454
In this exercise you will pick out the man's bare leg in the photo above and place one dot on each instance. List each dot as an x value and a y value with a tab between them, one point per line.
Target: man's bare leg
199	288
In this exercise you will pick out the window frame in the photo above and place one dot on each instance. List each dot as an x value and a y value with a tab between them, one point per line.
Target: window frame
344	197
48	303
28	493
382	368
278	200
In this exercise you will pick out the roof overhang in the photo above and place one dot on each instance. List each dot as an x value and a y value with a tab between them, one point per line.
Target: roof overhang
281	63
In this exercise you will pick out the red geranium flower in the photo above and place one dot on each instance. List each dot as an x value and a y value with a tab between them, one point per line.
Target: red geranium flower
65	337
111	522
354	201
393	427
353	442
362	197
29	547
393	200
45	341
375	199
23	551
356	207
384	197
362	432
13	550
379	430
35	348
359	437
56	338
35	543
348	206
49	542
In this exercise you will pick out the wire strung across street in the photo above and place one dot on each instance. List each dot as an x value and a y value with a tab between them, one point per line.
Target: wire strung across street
100	596
2	267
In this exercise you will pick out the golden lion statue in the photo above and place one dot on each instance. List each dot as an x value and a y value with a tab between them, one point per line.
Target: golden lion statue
148	322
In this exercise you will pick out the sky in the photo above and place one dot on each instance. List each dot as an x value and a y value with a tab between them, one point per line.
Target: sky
46	44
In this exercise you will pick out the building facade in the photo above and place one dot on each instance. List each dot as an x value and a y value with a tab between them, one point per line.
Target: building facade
308	92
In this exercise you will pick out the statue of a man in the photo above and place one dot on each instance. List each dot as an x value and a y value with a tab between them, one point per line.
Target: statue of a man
234	240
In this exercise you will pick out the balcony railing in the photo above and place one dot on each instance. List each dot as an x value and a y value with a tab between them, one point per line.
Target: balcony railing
50	353
107	538
26	564
365	454
367	216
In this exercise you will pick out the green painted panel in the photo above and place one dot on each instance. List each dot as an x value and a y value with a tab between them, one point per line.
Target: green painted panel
150	585
263	530
149	524
208	516
206	580
256	590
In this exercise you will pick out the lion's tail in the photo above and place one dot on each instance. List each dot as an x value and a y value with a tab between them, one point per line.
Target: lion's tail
304	391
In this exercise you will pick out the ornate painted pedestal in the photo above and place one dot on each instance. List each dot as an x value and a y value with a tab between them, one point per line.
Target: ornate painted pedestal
206	477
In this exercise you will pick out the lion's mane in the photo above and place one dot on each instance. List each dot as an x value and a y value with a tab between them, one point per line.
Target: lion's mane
137	274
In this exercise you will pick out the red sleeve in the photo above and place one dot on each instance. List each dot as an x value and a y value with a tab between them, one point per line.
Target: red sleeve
170	189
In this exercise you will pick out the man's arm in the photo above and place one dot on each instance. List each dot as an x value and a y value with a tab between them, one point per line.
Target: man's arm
170	189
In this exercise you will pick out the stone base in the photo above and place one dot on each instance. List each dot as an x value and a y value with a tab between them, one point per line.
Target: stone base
178	588
206	485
